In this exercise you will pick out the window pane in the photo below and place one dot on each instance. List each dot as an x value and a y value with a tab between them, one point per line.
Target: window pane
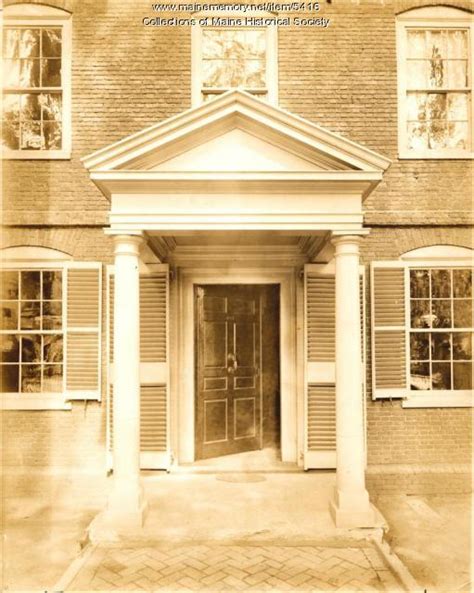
11	121
10	349
441	346
29	73
52	315
417	136
10	315
53	377
457	74
441	313
52	348
420	314
463	313
437	134
440	283
30	107
416	43
52	285
31	348
441	377
418	72
10	378
462	346
457	135
419	346
30	285
457	107
11	73
30	315
51	43
457	44
30	43
416	106
51	104
462	375
436	106
52	135
51	72
30	378
9	285
420	376
31	138
462	283
255	74
419	284
11	43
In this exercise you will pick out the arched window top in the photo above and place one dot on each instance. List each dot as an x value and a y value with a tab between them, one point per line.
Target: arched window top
30	254
434	12
439	252
32	11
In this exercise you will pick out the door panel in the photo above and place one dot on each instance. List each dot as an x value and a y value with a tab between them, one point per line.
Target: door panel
229	395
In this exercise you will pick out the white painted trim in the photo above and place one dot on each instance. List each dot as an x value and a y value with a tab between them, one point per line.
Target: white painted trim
39	15
440	17
320	459
439	399
184	394
241	104
439	254
16	401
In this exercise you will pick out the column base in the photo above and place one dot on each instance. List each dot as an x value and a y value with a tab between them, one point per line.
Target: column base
124	515
352	510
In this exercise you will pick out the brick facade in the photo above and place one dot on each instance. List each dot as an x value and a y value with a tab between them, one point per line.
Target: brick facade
126	77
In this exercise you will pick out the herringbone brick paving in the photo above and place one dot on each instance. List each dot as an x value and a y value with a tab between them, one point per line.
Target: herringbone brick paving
212	567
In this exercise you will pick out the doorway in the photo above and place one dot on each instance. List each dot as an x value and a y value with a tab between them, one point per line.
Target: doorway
237	368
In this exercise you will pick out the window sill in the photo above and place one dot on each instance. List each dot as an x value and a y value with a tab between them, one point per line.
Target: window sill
26	155
442	399
16	401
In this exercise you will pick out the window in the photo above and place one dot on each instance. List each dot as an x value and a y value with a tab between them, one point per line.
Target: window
435	83
32	328
422	327
50	329
36	83
233	57
441	301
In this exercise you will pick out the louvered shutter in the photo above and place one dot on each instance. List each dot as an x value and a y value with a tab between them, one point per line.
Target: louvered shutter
389	330
320	343
154	307
83	318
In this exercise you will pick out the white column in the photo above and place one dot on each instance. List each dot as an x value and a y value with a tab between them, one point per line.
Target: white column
351	506
126	506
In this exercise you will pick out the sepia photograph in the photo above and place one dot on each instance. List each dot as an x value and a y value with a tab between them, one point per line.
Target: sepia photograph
236	271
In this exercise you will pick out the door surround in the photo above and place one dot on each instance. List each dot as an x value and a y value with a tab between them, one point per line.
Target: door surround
183	415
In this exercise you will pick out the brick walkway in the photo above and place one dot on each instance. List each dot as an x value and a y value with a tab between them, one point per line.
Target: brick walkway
234	568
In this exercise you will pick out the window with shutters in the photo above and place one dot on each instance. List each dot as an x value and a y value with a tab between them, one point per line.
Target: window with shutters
440	329
50	333
36	82
422	328
229	57
32	328
435	71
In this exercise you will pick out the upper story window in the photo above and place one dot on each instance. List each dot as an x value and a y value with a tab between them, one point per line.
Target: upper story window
225	58
435	83
36	82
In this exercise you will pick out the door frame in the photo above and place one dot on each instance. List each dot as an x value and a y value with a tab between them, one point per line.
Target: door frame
183	379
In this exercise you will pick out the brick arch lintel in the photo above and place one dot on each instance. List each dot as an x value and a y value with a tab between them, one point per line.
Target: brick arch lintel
402	6
66	5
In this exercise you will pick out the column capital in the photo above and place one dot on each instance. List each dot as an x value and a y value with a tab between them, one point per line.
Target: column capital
346	244
127	244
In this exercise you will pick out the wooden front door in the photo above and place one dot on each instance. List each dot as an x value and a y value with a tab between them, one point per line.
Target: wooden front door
229	395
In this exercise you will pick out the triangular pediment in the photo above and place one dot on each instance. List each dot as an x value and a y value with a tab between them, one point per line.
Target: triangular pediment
235	133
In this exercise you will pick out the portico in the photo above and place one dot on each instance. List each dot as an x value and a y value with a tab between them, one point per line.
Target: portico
237	192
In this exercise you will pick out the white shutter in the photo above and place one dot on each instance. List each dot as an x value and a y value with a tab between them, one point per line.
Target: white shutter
389	332
83	319
320	389
154	367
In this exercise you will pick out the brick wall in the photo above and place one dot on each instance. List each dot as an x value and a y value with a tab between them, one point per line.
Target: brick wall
126	77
